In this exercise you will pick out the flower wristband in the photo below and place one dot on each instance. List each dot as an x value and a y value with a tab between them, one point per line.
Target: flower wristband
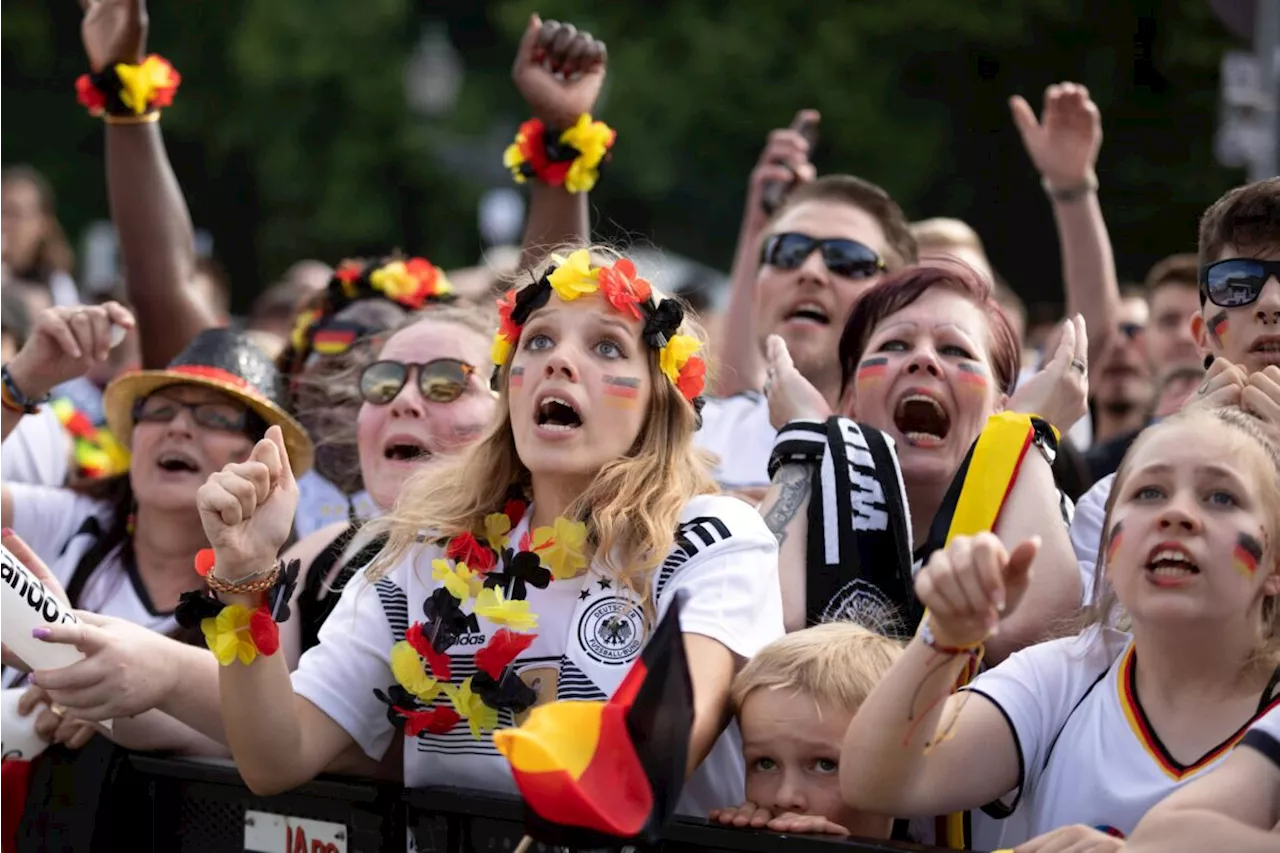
232	631
129	94
569	158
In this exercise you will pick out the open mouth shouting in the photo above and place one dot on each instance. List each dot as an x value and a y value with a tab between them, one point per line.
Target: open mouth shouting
177	462
1170	564
809	312
557	415
406	449
921	419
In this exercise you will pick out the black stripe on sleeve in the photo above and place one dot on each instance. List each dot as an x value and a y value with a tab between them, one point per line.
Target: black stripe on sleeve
1264	743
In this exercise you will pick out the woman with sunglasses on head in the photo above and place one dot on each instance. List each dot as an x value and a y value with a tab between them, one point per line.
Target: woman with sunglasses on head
532	568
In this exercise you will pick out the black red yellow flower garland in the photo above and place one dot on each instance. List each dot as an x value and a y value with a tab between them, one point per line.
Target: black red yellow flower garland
569	158
234	632
121	89
628	293
496	581
97	453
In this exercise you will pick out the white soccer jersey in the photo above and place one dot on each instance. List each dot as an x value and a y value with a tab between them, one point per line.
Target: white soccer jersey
588	634
737	430
1088	753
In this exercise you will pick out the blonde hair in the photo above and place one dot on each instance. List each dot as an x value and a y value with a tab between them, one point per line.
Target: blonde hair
836	662
941	232
631	507
1105	607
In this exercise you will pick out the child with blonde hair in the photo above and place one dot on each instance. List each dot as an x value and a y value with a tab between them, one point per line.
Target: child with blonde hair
794	700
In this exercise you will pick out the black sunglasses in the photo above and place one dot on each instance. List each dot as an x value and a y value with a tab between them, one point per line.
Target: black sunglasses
224	417
1236	282
440	381
847	258
1132	330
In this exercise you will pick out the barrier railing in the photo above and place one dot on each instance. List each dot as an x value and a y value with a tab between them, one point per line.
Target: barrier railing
184	806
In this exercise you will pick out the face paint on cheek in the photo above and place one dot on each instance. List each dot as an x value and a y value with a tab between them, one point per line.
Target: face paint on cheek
872	370
622	390
1113	541
1218	328
1247	554
974	376
516	378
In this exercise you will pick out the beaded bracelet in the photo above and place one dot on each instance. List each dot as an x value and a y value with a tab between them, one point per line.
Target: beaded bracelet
14	399
570	158
129	94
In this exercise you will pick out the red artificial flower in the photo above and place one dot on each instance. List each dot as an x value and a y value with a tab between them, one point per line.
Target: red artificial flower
526	541
89	95
349	271
693	378
465	548
162	96
437	721
204	561
506	326
264	632
623	288
514	511
79	425
501	650
439	662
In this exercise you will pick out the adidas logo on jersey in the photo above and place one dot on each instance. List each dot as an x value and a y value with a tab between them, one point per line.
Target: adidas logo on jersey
471	634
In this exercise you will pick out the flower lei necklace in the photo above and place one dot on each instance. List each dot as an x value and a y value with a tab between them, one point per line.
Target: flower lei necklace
495	580
629	294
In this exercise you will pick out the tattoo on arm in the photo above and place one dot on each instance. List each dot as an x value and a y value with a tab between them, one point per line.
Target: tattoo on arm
792	483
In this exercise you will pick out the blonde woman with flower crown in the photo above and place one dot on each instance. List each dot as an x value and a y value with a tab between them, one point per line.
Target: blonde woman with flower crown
532	569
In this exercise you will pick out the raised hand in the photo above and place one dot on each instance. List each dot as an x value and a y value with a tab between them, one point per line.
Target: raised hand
971	584
65	343
1224	385
114	31
791	396
247	508
1064	143
1059	391
559	70
785	159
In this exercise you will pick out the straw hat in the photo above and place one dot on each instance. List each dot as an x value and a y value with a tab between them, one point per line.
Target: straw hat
227	361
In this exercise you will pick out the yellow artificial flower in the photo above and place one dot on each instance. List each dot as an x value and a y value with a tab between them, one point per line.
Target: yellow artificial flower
501	349
674	355
461	581
227	635
300	328
574	275
479	716
496	528
564	556
407	667
395	281
591	138
137	82
492	605
513	159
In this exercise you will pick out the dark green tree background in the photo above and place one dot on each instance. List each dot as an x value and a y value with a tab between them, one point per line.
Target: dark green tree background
292	138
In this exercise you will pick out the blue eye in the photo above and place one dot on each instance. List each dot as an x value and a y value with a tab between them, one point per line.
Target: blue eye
959	352
764	764
1147	493
1223	498
537	343
609	349
893	346
826	765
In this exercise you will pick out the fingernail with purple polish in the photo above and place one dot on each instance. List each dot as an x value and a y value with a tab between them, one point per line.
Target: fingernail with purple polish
41	633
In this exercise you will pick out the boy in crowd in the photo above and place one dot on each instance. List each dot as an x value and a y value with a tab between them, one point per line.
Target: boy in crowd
794	700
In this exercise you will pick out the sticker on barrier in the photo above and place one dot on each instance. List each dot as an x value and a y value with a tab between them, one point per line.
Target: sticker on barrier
267	832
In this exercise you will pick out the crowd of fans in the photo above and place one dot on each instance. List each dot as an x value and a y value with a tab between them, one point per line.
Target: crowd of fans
918	559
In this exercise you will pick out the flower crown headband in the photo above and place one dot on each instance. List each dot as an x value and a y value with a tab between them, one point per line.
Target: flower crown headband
573	277
408	282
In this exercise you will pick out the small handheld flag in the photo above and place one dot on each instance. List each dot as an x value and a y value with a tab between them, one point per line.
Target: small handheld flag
595	773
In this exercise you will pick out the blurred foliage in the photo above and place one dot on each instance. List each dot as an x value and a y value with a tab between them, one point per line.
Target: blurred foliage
291	136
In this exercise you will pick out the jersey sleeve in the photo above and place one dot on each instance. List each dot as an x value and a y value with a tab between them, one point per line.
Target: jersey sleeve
1037	689
352	659
1264	736
726	561
1086	531
46	517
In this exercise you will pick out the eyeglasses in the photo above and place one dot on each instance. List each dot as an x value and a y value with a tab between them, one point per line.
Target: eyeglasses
224	417
440	381
847	258
1236	282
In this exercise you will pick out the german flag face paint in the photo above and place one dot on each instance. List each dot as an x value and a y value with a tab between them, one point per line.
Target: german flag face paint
516	377
622	390
1247	555
872	369
1218	328
973	375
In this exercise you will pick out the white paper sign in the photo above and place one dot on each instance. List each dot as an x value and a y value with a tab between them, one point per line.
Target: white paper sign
18	738
267	832
25	604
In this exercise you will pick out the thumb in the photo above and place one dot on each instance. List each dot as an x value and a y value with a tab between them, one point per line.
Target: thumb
1024	118
276	435
528	41
1020	559
779	355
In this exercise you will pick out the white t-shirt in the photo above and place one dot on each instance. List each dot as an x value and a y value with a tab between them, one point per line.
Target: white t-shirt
1087	753
724	558
1086	530
60	526
38	451
737	430
321	503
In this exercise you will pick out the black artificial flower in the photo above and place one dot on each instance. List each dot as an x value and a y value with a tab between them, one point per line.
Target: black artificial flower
518	571
510	693
282	591
196	606
662	322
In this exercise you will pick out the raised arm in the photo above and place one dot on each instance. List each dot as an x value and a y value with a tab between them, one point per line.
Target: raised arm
559	71
785	159
157	241
1064	145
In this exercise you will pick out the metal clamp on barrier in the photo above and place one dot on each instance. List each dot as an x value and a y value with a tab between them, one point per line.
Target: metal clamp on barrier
184	806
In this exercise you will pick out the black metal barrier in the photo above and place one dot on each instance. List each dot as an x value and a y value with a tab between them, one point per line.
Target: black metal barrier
197	807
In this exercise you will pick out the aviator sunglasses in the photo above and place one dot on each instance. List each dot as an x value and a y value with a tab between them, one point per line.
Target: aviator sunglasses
1236	282
847	258
440	381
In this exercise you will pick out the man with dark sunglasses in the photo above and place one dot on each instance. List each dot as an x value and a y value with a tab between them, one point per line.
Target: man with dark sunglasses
797	274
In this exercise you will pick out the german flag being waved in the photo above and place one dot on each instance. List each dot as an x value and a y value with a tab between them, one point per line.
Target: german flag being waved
592	773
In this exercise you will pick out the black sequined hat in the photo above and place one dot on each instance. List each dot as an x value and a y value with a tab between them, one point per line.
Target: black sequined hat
226	361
